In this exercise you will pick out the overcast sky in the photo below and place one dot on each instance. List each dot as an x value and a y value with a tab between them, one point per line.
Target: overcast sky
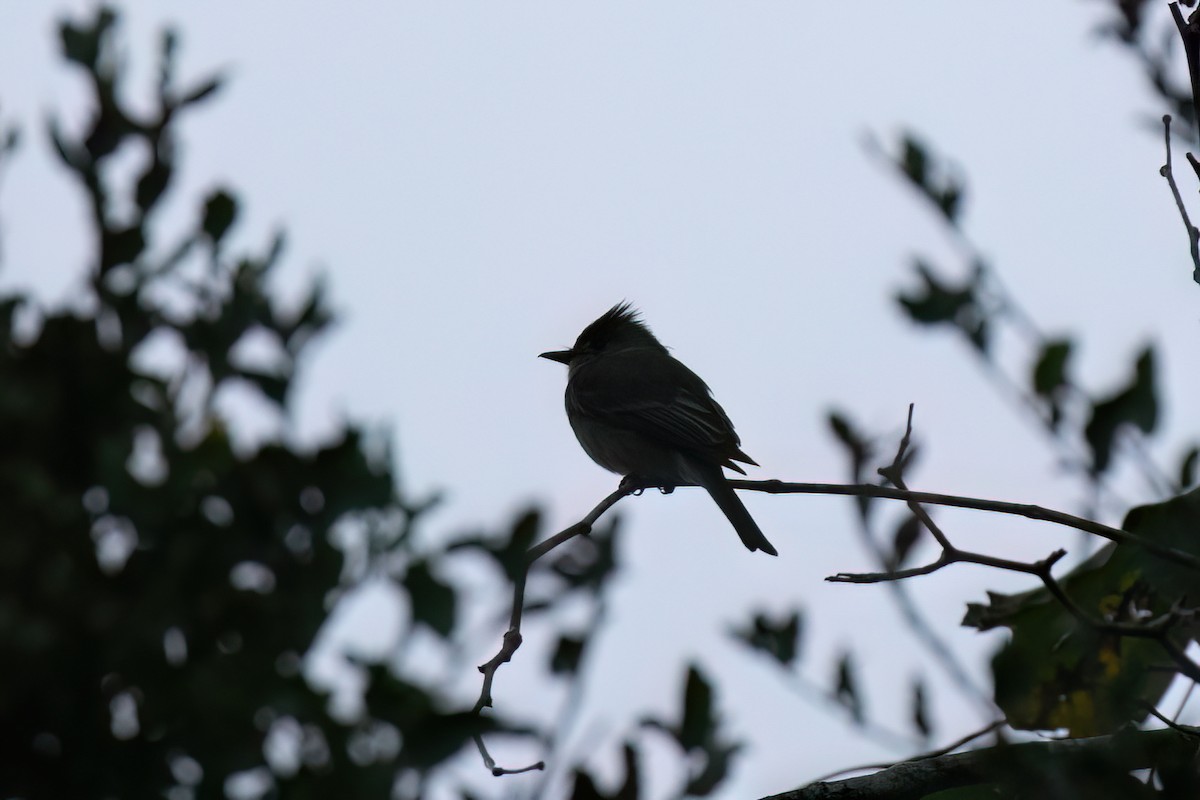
478	181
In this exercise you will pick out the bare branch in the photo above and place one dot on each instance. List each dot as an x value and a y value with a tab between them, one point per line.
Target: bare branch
1167	172
512	637
911	780
490	762
941	751
957	501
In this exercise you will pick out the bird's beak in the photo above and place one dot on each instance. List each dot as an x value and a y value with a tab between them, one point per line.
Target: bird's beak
561	356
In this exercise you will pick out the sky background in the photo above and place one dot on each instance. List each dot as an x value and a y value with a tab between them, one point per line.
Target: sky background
478	181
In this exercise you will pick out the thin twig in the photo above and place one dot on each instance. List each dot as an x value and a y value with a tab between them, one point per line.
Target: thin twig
979	504
948	557
512	637
922	630
490	762
1170	723
1167	172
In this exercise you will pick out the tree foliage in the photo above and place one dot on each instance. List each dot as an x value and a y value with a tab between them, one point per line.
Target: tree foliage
162	584
159	587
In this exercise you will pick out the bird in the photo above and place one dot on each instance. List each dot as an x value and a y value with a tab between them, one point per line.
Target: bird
639	412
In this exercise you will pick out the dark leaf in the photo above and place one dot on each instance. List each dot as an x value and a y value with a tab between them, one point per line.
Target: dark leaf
845	433
202	92
937	302
8	310
584	788
1050	372
1136	405
429	735
274	387
511	553
698	722
1187	470
780	640
860	451
914	161
153	183
908	533
220	210
120	246
298	329
70	154
82	43
433	602
1056	672
930	177
567	654
949	200
920	710
846	688
718	760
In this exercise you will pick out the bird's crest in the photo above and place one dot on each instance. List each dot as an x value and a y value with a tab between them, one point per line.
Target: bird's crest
620	326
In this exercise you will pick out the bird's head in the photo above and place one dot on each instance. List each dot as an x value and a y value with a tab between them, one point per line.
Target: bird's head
619	328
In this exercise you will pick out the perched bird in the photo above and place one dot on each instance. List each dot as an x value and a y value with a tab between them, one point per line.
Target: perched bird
642	414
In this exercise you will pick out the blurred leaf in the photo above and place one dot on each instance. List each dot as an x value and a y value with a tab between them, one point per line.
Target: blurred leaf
1050	377
433	602
589	561
780	640
846	688
202	92
429	735
567	654
920	710
698	720
82	43
1050	372
8	310
860	450
938	303
1187	469
914	161
274	387
312	318
511	554
699	733
1056	672
147	565
1136	405
719	759
153	183
908	533
931	177
120	246
220	210
584	788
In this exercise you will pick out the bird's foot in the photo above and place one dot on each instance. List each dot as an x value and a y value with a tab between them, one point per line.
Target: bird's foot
635	485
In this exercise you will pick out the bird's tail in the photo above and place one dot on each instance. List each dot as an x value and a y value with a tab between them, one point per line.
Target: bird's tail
724	496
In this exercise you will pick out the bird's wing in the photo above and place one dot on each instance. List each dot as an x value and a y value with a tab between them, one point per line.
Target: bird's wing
668	402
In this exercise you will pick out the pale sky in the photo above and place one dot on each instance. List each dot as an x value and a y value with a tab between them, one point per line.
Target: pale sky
478	181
